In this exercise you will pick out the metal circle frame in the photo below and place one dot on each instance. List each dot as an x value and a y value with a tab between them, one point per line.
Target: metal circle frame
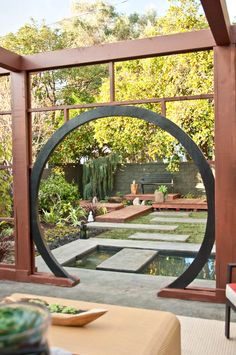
136	112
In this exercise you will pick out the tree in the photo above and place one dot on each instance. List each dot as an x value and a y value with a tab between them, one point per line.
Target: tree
176	75
135	140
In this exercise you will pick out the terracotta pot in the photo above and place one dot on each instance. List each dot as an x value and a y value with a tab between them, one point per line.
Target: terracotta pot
134	189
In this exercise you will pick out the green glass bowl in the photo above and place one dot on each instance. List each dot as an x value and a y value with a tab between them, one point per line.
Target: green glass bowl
23	326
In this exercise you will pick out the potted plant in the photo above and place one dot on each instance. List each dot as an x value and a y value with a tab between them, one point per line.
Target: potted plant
160	193
23	329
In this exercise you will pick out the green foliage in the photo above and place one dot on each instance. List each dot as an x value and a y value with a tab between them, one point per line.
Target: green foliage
6	201
57	308
62	213
176	75
54	307
163	189
73	215
6	229
17	320
98	175
58	231
52	216
55	189
4	247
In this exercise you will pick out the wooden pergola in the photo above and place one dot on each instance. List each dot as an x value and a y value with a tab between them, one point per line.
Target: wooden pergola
221	38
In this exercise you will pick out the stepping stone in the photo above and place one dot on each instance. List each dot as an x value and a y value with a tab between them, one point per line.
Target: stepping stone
171	214
130	226
180	220
128	260
159	236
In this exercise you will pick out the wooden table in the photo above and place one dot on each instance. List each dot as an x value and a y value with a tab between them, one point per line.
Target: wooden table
121	331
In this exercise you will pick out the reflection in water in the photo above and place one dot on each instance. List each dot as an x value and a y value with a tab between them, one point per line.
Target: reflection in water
166	265
93	259
175	265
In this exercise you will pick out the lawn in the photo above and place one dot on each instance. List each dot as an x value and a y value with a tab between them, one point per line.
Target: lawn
196	231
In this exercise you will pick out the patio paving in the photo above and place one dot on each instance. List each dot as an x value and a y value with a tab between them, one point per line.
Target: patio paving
126	289
131	226
128	260
170	213
179	220
80	247
159	236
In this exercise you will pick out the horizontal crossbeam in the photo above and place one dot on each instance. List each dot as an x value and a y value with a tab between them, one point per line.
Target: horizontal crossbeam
119	51
9	60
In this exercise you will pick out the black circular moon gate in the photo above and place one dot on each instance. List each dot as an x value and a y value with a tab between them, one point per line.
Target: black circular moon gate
136	112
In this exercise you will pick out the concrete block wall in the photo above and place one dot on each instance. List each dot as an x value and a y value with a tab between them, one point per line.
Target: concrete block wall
186	181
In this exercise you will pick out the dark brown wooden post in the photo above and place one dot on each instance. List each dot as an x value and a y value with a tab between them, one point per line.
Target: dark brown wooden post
21	153
225	159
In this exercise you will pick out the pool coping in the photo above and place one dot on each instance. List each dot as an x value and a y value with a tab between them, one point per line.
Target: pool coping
67	253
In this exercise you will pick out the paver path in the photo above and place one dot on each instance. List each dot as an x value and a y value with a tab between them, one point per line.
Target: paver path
128	260
180	220
131	226
170	213
159	236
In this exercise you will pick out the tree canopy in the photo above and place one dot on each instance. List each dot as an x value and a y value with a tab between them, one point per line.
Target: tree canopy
177	75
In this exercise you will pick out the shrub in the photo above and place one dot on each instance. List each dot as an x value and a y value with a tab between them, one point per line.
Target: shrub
56	189
4	248
98	176
96	209
64	213
6	229
6	203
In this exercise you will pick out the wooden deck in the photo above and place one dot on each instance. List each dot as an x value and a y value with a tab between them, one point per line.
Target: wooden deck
124	214
172	202
182	204
150	197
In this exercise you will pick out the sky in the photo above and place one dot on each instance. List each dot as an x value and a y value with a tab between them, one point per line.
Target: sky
15	13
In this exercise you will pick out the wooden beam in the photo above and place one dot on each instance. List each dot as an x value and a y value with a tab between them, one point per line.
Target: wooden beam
9	60
212	295
225	159
119	103
120	51
20	147
126	50
218	18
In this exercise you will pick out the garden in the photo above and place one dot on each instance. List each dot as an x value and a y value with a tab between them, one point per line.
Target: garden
107	154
